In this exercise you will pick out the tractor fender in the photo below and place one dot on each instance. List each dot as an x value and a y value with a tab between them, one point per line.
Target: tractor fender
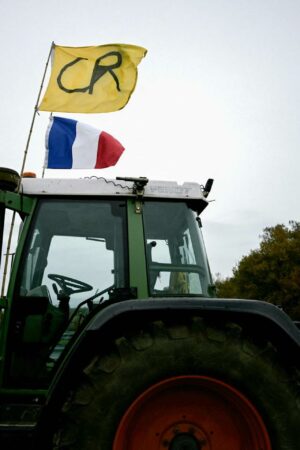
261	320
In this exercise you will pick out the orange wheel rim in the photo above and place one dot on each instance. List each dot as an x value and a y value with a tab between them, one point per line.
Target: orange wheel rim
191	413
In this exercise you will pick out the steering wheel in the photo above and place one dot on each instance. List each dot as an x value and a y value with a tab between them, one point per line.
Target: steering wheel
69	285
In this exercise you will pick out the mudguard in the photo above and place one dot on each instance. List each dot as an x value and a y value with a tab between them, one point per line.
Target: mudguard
259	318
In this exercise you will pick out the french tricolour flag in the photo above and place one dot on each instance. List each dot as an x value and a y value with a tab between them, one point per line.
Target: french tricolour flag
73	145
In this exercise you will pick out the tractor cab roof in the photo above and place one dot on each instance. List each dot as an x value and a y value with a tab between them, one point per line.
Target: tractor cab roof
101	187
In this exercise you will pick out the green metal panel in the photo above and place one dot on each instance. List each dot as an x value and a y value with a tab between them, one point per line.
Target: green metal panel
136	247
17	202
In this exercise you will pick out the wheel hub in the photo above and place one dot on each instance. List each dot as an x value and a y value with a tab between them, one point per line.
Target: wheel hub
192	413
184	442
183	436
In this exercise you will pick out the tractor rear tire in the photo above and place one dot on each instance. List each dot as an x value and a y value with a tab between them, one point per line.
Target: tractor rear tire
183	387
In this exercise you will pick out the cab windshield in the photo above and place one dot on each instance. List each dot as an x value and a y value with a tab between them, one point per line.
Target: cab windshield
176	259
79	244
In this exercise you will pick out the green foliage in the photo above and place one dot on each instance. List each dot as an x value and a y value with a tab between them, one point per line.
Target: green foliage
270	273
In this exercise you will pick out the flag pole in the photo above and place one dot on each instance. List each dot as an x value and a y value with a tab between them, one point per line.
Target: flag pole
21	172
35	113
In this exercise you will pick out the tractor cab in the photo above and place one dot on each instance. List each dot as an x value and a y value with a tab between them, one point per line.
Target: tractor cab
87	242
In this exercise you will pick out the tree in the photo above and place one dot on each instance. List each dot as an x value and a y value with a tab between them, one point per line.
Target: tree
270	273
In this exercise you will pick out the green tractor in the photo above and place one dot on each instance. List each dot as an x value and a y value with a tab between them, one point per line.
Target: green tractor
111	337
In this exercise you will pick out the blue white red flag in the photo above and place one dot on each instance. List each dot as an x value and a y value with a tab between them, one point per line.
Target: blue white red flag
74	145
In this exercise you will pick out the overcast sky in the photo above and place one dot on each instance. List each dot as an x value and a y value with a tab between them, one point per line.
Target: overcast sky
217	97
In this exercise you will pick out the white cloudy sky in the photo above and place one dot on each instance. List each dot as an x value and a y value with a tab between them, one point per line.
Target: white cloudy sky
217	97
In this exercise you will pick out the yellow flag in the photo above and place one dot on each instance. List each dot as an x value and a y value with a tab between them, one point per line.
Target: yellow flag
92	79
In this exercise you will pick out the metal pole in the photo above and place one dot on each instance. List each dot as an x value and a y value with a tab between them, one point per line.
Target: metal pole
7	253
35	113
2	219
21	172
